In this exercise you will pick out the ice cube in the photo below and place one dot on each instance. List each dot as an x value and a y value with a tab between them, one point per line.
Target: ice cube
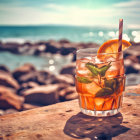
81	63
115	66
86	59
109	59
97	60
114	70
83	72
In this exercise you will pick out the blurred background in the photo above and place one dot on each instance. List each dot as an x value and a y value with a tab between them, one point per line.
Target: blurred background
38	40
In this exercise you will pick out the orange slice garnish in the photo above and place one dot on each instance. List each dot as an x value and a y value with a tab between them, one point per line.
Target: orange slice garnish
111	46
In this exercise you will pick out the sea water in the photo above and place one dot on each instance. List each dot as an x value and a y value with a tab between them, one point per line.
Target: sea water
72	33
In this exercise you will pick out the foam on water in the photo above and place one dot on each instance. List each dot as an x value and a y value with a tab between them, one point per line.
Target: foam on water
18	40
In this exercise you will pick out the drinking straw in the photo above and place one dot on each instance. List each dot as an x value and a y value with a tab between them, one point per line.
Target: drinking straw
120	34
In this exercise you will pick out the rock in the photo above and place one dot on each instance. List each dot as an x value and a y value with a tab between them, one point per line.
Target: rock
9	99
10	46
68	93
68	69
29	106
64	79
134	43
126	54
27	50
26	86
131	69
82	45
4	68
136	66
30	84
24	69
1	112
40	77
7	80
52	47
45	77
64	41
40	49
130	90
133	58
10	111
67	49
32	76
74	57
132	79
43	95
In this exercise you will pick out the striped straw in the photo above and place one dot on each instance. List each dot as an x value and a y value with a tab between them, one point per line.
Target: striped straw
120	34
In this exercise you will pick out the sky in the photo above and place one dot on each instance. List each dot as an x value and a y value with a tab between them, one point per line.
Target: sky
70	12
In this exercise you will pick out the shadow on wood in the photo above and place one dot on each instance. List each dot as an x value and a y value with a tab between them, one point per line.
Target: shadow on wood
95	128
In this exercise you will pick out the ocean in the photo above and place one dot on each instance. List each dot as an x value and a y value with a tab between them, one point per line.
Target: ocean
72	33
22	34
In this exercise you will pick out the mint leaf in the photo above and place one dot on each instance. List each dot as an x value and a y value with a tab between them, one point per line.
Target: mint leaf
83	80
111	83
93	68
104	92
103	69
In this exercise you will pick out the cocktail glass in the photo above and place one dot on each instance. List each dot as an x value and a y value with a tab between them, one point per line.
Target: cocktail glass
100	82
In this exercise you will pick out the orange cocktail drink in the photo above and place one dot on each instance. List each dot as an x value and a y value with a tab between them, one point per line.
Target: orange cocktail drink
100	80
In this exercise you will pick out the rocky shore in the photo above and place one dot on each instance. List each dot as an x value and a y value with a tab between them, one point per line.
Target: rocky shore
26	87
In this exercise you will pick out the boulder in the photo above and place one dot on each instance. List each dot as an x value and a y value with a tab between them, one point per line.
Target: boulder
26	86
64	79
66	51
32	76
8	99
68	69
67	48
52	46
4	68
68	93
27	50
10	46
40	49
130	69
24	69
74	57
7	80
45	77
64	41
43	95
40	77
133	58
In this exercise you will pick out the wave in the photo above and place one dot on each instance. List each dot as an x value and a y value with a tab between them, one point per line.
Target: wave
17	40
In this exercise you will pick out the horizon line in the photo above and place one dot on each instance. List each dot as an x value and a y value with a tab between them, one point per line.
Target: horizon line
101	26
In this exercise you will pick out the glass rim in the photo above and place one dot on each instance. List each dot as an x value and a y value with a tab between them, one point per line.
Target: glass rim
89	51
119	76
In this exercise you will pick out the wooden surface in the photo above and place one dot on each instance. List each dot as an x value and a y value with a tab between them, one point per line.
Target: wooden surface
63	121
